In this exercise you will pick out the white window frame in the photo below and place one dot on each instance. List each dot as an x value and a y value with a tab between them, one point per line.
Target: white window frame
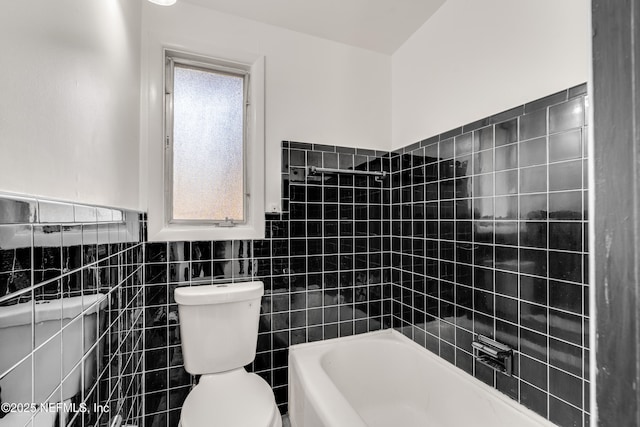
159	187
172	59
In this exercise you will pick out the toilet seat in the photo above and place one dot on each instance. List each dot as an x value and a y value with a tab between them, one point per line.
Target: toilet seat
234	398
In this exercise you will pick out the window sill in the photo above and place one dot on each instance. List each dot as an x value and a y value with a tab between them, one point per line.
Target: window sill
178	233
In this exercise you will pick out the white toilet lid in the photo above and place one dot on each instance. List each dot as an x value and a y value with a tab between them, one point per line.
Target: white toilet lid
235	398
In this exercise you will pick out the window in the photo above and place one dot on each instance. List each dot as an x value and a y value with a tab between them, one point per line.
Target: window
205	157
205	118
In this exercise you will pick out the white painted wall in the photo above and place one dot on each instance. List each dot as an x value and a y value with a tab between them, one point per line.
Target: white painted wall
70	82
473	59
316	90
69	109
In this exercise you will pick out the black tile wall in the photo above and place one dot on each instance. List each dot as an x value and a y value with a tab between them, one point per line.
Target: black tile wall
75	274
489	237
324	263
481	229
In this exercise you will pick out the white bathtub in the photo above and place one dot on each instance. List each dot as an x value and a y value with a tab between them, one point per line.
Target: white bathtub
383	379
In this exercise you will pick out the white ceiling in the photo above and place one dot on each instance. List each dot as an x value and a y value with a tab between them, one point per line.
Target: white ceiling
378	25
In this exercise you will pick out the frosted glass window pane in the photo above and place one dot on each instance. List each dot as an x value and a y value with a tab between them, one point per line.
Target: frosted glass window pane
208	132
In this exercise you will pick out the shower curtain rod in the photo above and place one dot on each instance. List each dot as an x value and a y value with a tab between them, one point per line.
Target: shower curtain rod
313	170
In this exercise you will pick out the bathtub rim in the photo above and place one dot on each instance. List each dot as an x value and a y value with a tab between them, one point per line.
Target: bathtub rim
297	355
322	395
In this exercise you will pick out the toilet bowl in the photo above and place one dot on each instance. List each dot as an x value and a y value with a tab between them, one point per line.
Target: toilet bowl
235	398
219	332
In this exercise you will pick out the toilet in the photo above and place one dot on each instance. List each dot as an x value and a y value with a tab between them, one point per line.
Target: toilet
219	333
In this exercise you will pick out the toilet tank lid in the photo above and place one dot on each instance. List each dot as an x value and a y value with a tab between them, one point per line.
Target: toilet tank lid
220	293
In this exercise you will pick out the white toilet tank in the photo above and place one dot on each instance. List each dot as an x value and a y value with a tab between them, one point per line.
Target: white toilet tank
219	325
